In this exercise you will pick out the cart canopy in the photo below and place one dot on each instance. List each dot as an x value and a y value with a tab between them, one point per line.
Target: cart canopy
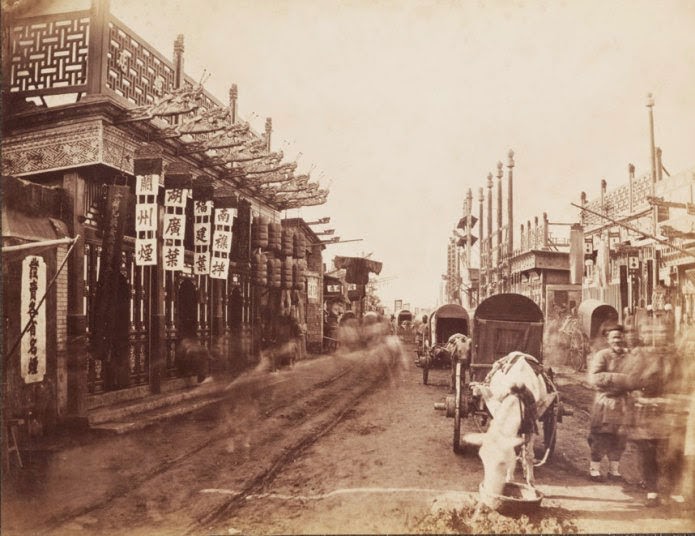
404	316
593	314
447	320
505	323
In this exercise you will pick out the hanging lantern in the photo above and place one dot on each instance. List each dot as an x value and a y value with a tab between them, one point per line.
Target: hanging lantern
274	273
275	237
287	273
299	245
298	275
287	242
259	269
259	232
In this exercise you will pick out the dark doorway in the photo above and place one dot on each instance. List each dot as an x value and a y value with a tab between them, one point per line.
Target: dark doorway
187	306
236	304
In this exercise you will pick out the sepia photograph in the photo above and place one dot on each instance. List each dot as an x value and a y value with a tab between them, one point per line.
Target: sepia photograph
347	267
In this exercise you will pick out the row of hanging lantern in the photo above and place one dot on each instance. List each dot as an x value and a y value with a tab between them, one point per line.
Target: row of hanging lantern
279	260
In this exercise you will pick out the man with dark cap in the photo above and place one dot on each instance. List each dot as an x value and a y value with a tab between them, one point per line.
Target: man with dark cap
612	385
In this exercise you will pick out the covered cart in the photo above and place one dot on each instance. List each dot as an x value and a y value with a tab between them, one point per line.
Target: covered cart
404	323
503	324
446	321
587	337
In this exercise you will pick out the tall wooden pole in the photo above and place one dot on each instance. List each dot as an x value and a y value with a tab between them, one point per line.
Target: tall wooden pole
489	223
499	211
481	263
510	204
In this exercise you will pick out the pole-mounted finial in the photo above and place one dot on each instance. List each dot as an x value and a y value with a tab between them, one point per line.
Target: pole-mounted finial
178	44
630	168
233	94
510	158
499	170
650	100
489	180
481	194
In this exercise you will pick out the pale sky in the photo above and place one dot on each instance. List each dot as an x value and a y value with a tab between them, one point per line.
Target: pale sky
404	105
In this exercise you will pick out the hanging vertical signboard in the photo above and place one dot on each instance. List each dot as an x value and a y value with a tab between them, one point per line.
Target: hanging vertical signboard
112	228
33	353
225	212
148	170
202	226
176	183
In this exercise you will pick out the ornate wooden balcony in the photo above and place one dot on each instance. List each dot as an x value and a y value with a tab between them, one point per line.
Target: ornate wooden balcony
88	52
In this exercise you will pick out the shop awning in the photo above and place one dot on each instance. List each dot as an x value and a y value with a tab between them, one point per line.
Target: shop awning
357	268
29	235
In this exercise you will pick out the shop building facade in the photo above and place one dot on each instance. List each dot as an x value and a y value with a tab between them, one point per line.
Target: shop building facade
162	184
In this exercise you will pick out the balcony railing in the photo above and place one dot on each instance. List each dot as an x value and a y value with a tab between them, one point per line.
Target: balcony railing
81	53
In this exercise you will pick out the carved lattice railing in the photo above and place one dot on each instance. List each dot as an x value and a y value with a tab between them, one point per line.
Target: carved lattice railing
135	71
49	54
52	54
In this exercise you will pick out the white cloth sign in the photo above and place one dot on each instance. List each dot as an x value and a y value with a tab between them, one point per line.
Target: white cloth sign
145	251
146	184
219	267
173	257
174	226
201	234
33	352
146	217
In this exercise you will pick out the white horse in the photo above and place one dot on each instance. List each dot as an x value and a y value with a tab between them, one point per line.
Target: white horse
515	393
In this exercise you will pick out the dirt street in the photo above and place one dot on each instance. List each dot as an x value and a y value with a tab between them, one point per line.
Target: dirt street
339	444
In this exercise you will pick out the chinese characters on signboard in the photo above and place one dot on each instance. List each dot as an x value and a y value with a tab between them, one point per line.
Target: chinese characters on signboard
222	242
146	215
202	231
174	228
33	354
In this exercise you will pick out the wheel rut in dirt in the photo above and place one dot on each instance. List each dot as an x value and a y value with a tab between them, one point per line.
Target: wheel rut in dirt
282	393
364	381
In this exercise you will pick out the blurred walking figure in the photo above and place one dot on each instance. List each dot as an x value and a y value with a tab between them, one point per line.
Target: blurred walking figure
658	414
607	433
193	358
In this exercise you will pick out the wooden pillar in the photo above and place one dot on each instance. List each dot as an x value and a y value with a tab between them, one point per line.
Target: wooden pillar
98	47
74	187
148	161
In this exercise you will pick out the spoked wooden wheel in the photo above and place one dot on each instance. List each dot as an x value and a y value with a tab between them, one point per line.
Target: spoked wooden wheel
457	408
